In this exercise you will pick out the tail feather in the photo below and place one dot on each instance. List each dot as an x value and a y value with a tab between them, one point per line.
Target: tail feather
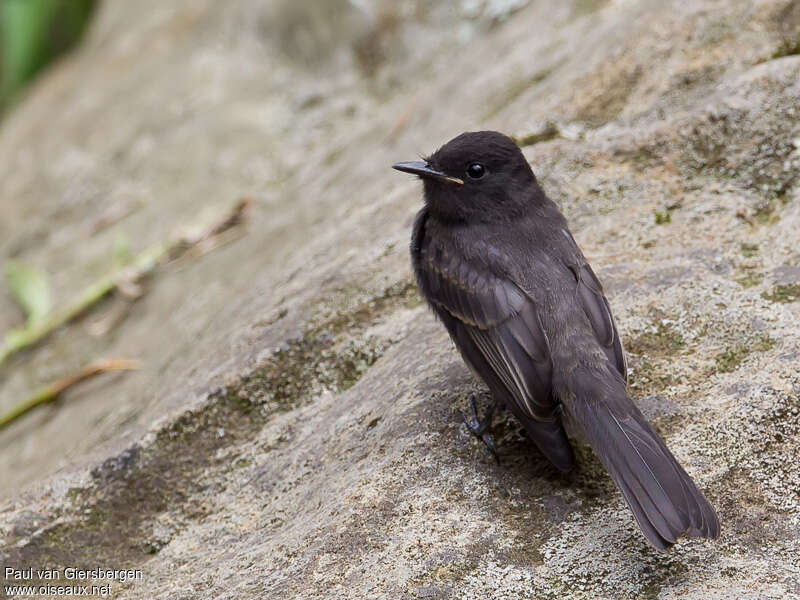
662	497
653	528
657	515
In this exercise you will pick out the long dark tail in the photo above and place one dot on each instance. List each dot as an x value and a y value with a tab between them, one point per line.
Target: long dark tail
663	498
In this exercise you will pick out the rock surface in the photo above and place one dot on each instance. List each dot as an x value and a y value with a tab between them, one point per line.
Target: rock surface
295	430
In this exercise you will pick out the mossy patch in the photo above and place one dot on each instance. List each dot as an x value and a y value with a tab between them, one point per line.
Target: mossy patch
662	340
642	157
402	294
729	145
649	352
546	133
731	358
320	359
747	518
787	47
662	217
783	293
764	211
305	366
748	250
750	279
650	377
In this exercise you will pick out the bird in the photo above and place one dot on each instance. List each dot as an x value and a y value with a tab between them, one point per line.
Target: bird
496	262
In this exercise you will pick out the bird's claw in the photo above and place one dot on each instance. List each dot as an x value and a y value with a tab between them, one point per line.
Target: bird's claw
480	427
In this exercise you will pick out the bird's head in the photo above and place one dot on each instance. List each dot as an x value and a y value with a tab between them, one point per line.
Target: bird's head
478	176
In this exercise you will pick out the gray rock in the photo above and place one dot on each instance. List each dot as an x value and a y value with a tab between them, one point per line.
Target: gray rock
786	275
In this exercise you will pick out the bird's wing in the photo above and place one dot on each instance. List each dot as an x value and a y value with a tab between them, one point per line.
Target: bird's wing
595	305
494	324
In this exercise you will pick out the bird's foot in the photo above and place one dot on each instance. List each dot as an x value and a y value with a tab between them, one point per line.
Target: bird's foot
480	427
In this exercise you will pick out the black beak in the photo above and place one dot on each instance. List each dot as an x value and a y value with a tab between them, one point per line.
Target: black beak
423	169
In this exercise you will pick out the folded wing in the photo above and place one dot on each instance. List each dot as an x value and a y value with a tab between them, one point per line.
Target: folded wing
496	328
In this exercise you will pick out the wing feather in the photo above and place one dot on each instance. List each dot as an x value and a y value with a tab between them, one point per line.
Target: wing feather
496	328
597	309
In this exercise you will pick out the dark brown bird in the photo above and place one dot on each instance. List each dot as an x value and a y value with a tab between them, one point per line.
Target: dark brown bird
496	262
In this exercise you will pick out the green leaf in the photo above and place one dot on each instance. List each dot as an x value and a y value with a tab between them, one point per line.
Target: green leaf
30	289
23	27
14	337
32	34
123	256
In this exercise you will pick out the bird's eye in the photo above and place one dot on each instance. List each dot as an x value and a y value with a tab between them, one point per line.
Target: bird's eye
476	170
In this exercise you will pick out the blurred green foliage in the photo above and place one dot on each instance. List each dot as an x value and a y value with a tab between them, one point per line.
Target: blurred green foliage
32	34
31	290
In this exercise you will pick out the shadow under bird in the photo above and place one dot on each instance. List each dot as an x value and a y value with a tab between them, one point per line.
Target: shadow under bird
495	260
